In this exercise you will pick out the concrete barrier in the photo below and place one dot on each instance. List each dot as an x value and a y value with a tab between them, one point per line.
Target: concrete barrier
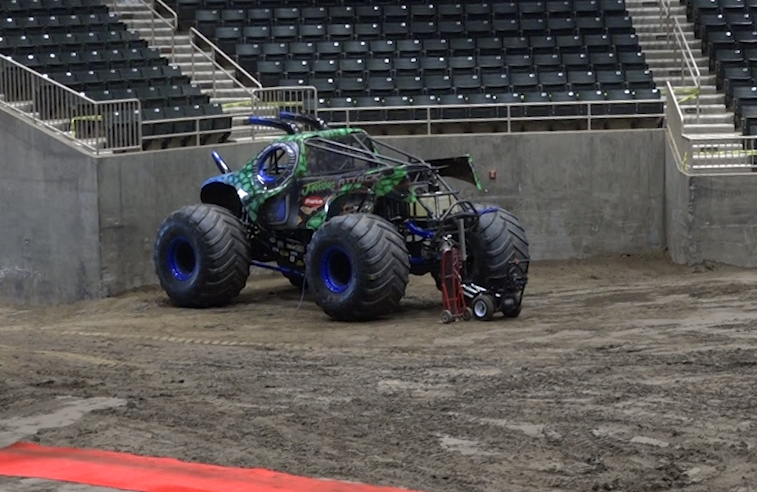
81	227
49	243
578	194
711	217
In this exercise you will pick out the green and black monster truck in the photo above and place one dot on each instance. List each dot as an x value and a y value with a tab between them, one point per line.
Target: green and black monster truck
345	216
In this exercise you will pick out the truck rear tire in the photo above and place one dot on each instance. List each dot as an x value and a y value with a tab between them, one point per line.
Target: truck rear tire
357	267
499	251
202	256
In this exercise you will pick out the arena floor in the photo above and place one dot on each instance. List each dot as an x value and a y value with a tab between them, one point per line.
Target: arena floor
621	374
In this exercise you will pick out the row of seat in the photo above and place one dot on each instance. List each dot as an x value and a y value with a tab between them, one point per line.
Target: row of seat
456	65
728	30
62	42
409	48
417	30
47	24
444	8
576	81
184	122
79	44
102	79
369	14
31	8
74	60
491	105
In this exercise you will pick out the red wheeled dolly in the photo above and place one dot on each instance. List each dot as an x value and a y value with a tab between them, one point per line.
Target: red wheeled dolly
453	299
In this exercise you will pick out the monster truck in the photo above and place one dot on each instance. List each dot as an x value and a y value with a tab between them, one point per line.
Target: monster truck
344	216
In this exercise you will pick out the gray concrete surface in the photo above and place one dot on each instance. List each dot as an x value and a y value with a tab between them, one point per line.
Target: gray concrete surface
49	248
578	194
724	219
710	217
678	212
83	227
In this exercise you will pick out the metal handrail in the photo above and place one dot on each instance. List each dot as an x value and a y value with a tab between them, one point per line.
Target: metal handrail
81	98
674	130
676	40
688	60
509	118
217	51
174	15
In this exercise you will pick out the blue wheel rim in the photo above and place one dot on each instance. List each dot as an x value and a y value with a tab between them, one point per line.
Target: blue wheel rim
336	269
182	258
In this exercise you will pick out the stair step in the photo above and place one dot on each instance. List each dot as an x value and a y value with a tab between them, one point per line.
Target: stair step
234	93
661	36
126	15
696	45
176	49
219	84
697	128
701	61
161	30
707	119
676	80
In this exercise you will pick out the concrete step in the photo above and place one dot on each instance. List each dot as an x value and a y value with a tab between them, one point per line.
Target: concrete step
699	128
128	5
161	30
690	107
654	9
696	45
701	61
658	35
195	55
676	80
708	119
199	66
218	84
176	49
236	93
126	15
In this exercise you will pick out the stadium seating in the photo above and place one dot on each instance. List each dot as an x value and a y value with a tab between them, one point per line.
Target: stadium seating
359	54
728	32
79	44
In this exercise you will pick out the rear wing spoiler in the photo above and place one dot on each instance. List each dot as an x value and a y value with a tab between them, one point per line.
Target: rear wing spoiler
457	167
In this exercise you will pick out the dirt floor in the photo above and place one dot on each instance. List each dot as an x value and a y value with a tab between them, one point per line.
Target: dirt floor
621	374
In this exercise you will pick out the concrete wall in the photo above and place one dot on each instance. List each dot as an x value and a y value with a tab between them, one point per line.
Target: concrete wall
49	238
724	225
81	227
578	194
710	217
678	210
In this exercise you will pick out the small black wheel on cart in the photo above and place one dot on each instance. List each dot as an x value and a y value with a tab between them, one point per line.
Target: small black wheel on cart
483	307
467	314
511	307
447	316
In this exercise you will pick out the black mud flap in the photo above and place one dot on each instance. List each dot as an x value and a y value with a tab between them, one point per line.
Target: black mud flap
457	167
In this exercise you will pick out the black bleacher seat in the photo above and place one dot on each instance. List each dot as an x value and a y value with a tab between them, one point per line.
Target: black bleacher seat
564	48
80	44
728	32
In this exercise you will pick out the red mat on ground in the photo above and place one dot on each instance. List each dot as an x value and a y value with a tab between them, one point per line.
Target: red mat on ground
144	474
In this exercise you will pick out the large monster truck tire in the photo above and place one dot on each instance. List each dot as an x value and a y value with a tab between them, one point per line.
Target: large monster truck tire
498	241
357	267
499	247
202	256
